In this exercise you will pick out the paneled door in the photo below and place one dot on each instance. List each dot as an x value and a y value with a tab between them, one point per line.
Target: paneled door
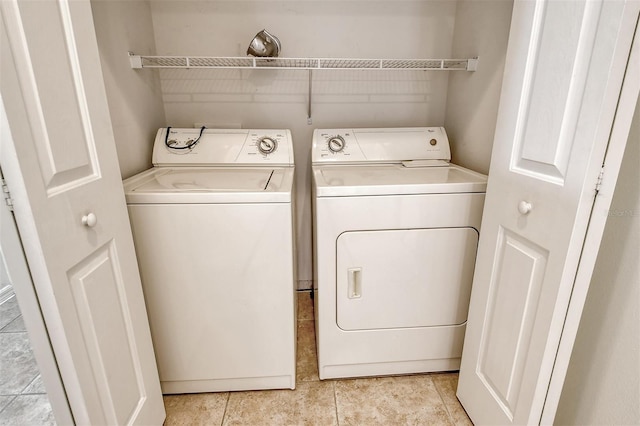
565	68
58	156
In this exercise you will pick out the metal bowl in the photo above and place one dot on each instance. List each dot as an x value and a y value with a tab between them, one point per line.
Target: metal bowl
264	44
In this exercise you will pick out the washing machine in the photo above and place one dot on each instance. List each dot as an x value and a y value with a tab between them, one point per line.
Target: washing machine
396	230
212	223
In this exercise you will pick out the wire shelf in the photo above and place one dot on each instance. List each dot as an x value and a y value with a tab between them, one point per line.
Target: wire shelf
249	62
204	62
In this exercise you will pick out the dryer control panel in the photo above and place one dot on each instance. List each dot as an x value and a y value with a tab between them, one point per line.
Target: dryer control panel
387	145
208	147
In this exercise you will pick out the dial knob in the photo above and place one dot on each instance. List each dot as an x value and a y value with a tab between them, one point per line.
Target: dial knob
336	143
267	145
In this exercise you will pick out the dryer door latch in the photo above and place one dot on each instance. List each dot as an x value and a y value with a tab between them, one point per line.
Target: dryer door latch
354	287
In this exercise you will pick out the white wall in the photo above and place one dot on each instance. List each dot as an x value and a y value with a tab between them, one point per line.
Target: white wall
134	98
603	380
481	28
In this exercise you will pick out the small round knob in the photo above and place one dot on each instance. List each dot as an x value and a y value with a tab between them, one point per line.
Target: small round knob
89	220
267	145
524	207
336	143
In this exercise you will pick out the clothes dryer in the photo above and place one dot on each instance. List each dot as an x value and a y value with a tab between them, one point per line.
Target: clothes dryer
396	230
212	223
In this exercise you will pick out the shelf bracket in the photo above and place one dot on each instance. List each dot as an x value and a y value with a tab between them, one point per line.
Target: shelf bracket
309	121
472	64
135	60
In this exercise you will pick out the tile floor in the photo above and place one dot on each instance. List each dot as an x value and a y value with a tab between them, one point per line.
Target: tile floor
427	399
23	399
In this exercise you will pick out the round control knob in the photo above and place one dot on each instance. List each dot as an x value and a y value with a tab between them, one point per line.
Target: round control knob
336	143
89	220
267	145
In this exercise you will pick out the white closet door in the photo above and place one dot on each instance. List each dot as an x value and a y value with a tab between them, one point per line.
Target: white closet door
565	66
59	159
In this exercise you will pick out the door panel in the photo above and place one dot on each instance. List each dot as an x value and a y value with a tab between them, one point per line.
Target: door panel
565	65
404	278
55	95
514	296
553	88
98	290
59	158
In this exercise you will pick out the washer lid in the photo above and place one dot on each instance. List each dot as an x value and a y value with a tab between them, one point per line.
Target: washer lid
394	179
210	185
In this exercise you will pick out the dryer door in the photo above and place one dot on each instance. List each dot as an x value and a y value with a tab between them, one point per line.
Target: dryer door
404	278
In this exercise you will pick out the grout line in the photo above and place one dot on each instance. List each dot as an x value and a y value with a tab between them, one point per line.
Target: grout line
30	383
335	402
446	406
13	332
7	404
226	405
2	330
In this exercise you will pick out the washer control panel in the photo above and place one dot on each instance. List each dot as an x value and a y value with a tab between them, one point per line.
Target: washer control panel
204	147
336	145
380	145
266	146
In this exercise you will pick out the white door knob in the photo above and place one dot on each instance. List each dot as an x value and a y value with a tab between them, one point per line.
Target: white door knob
89	220
524	207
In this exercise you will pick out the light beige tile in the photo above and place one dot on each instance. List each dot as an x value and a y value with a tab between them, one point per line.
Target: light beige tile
195	409
447	383
311	403
306	336
18	367
32	410
307	361
15	326
406	400
9	311
35	387
4	401
305	306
